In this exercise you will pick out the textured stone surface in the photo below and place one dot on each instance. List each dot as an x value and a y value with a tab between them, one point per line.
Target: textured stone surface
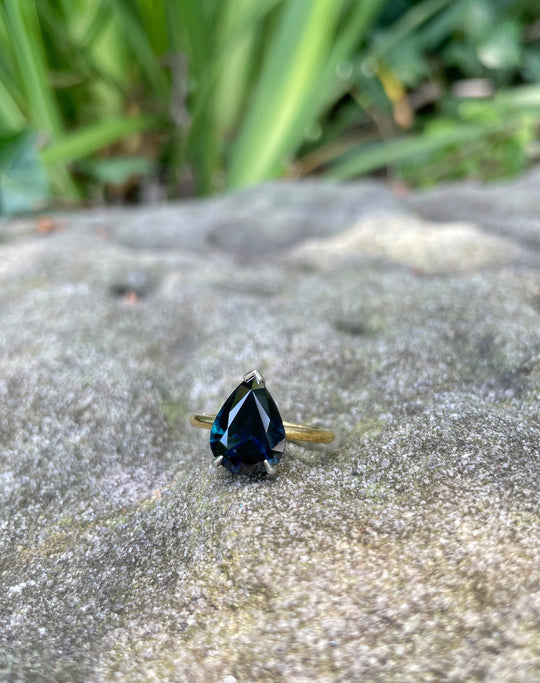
408	550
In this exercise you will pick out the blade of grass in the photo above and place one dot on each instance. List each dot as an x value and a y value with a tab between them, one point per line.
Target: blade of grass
87	141
196	33
249	17
191	30
22	20
232	81
28	48
98	22
329	88
409	22
8	76
296	54
442	25
353	32
11	117
134	34
152	17
373	156
91	72
525	97
357	26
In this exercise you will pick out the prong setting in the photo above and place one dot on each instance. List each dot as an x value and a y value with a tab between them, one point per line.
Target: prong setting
268	467
217	461
254	374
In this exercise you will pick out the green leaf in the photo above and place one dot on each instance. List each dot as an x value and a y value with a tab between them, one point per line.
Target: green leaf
117	170
11	117
219	85
295	57
417	15
377	155
479	18
408	64
22	22
531	65
233	75
23	182
135	35
86	141
331	85
502	49
525	98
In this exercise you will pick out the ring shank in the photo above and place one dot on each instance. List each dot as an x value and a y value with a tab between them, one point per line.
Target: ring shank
293	432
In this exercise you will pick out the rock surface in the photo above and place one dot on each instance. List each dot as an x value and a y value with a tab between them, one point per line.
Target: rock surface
408	550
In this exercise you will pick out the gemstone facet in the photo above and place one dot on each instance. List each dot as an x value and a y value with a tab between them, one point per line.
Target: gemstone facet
248	429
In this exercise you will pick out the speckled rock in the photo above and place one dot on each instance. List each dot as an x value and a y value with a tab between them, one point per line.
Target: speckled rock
407	550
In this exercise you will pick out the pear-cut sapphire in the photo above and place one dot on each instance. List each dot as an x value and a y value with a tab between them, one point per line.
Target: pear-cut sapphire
248	429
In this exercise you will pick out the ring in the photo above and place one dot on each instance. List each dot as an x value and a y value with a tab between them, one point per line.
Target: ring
248	429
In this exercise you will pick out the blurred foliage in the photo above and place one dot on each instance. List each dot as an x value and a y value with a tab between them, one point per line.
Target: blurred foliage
116	99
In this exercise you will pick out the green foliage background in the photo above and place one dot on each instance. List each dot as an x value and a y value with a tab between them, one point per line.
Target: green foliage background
107	99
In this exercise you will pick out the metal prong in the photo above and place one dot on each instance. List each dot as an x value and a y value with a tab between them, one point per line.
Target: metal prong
254	374
217	461
268	467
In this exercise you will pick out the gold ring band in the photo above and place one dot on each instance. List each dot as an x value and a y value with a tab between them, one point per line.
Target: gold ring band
293	432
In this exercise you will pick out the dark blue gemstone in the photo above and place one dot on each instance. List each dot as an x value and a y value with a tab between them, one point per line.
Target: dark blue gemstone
248	429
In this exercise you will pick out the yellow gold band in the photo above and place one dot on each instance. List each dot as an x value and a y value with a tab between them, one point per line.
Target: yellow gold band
293	432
